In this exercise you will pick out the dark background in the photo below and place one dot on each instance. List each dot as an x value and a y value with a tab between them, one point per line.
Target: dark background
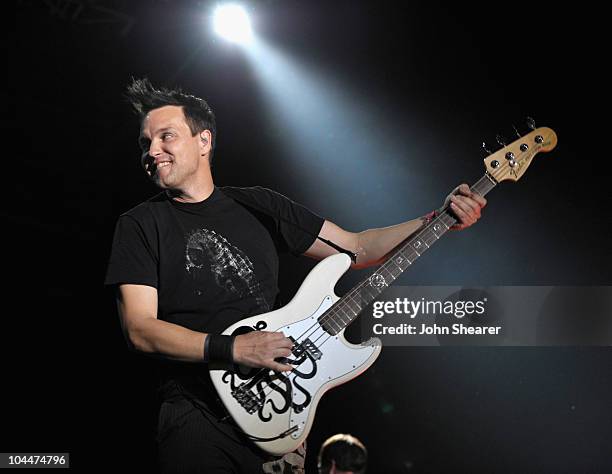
450	77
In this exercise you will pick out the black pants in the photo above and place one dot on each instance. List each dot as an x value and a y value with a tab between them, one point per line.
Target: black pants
193	437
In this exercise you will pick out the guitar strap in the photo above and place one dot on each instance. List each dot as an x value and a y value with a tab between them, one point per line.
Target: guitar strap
249	203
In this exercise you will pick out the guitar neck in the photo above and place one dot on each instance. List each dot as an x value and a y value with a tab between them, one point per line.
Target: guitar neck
348	308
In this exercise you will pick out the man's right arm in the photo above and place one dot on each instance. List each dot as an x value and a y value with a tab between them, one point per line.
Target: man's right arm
137	305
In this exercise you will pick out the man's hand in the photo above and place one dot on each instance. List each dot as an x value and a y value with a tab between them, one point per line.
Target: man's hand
260	348
466	205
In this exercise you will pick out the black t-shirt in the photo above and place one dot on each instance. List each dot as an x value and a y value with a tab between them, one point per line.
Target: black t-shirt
213	262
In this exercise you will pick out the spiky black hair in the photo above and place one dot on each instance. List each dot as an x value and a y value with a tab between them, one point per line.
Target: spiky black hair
144	97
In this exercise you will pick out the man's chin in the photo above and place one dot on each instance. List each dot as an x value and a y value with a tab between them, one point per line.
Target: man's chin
159	183
171	191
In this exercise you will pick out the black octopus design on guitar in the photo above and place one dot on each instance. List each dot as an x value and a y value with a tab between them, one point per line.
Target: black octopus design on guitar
264	382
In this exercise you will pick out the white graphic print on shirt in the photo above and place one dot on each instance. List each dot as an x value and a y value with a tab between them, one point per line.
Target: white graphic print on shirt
230	266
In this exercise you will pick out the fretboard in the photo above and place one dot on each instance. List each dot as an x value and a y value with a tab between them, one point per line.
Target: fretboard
348	308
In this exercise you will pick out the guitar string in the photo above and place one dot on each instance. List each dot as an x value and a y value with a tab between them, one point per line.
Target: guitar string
496	174
364	284
352	293
329	314
485	178
334	311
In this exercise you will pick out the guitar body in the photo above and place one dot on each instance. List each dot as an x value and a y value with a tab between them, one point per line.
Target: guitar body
284	404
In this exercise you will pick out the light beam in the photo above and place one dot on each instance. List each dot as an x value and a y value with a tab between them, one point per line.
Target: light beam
232	23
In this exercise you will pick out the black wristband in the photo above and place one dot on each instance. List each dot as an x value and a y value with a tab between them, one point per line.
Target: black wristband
206	348
218	348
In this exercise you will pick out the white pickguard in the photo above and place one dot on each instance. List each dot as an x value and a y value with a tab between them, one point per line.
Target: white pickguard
339	362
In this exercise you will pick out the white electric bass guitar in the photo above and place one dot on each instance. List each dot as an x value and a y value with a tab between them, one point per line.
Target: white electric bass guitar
276	410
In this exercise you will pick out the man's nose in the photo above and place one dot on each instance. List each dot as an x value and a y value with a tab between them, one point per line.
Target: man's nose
148	157
155	149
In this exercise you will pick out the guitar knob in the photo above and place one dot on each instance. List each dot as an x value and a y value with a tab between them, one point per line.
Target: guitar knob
512	163
524	147
494	164
539	139
531	123
509	156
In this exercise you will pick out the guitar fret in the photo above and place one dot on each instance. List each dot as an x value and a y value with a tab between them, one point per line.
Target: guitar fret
350	306
353	312
397	269
386	270
357	304
342	313
429	238
338	327
368	291
351	298
400	259
397	266
412	256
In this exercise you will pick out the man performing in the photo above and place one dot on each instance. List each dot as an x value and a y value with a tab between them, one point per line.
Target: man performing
196	258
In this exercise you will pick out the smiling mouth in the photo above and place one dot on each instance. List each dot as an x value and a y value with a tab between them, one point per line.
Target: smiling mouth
152	169
163	164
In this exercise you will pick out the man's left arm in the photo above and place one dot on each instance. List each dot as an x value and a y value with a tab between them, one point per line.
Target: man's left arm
373	246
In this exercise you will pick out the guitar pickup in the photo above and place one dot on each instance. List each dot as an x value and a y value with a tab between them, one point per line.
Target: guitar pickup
247	399
308	347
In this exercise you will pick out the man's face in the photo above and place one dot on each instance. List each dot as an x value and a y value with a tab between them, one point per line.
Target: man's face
171	155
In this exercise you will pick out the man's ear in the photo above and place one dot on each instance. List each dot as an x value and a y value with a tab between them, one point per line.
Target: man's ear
205	141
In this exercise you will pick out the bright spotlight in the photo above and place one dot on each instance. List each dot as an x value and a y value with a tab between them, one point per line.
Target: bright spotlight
232	23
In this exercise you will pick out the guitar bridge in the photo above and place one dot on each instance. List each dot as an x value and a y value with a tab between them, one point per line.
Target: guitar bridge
307	346
247	399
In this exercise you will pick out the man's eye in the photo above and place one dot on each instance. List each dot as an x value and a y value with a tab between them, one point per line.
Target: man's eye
166	135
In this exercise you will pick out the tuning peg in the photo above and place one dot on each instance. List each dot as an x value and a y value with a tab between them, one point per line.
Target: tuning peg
484	147
531	123
501	140
516	131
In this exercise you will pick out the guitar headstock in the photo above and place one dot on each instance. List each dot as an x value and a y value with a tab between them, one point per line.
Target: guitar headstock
511	162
